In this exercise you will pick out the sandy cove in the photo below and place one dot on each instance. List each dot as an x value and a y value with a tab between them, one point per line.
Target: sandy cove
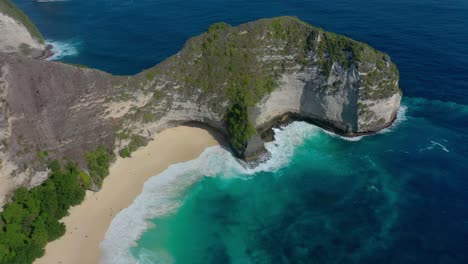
88	222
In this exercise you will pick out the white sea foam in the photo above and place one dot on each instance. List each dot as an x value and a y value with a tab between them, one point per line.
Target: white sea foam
63	49
401	116
444	148
342	137
433	145
164	193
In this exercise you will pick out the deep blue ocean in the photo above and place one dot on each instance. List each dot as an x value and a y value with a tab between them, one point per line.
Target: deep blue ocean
400	196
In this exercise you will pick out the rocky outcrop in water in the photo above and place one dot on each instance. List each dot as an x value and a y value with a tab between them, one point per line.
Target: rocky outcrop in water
238	80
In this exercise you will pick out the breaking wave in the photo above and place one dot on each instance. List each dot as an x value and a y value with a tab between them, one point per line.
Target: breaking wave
401	116
61	49
164	193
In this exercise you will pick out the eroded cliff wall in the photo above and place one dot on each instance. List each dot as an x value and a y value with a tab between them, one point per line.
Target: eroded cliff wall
47	106
235	79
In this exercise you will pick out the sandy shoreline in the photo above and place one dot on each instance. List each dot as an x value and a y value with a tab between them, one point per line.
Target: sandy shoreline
88	222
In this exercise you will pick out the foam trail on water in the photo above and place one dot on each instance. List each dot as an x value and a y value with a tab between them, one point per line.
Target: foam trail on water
164	193
61	49
433	145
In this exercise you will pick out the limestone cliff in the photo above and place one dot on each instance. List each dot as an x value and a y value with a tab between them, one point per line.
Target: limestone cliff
274	67
18	34
238	80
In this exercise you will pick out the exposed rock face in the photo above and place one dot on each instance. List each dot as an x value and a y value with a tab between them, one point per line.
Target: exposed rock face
255	147
49	107
18	34
256	72
304	94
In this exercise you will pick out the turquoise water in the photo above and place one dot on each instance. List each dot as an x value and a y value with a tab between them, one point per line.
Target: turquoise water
394	197
327	204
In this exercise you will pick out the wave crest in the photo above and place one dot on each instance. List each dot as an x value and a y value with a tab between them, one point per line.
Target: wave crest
61	49
164	193
401	116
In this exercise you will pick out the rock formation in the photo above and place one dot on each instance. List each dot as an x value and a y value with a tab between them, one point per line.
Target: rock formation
238	80
18	34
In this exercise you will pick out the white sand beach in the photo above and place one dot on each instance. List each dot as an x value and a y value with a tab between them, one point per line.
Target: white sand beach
89	221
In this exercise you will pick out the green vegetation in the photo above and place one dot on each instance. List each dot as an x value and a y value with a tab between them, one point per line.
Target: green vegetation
43	154
382	76
238	126
125	153
235	66
218	26
32	218
9	9
230	69
379	82
123	134
157	95
239	65
224	56
281	30
381	73
136	142
85	180
98	164
242	95
150	76
335	48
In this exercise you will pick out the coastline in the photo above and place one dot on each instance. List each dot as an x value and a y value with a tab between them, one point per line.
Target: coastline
89	221
47	53
267	134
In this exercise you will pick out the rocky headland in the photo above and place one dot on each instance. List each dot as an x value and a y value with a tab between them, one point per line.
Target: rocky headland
238	80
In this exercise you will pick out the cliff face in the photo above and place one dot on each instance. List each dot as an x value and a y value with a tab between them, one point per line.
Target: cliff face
344	100
276	66
18	34
235	79
49	107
